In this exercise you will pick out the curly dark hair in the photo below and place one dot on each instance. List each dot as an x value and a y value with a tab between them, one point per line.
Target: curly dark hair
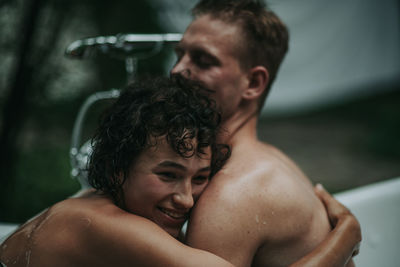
176	108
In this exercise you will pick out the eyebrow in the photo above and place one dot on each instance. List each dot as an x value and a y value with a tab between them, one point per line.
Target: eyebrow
168	163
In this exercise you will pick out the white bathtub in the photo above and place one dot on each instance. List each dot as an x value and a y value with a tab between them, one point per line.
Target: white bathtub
6	229
377	207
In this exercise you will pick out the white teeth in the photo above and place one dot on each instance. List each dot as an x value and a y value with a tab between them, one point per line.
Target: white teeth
173	214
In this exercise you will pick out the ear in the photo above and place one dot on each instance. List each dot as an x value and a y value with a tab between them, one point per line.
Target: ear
258	80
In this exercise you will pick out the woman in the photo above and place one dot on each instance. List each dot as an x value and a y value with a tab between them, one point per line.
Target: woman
154	152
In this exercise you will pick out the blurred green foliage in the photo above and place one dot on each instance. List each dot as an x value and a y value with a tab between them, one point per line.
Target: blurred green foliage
38	172
42	178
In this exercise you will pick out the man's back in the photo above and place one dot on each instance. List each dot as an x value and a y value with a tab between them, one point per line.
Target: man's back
267	212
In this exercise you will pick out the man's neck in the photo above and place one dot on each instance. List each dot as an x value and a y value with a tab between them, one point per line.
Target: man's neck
239	127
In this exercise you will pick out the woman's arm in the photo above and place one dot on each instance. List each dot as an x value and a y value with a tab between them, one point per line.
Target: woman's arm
343	241
124	239
130	240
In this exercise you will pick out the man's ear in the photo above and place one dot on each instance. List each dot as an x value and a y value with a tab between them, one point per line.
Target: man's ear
258	80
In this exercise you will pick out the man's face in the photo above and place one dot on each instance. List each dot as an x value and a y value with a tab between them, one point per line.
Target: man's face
209	53
163	186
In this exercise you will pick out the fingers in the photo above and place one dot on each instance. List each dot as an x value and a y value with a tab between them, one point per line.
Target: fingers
328	200
333	207
321	193
338	212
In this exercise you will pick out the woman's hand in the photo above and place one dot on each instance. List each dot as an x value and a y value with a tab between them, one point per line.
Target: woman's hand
339	214
342	243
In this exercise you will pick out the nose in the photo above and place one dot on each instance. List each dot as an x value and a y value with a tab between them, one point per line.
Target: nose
183	197
182	67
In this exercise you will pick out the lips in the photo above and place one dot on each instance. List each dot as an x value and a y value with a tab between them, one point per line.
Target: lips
176	215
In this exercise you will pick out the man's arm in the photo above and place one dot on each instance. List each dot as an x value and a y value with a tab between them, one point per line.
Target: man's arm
343	241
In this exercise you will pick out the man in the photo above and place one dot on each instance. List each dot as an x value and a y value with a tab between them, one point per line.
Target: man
235	48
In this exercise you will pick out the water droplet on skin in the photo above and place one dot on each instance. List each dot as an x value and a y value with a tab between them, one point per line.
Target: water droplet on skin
87	222
27	257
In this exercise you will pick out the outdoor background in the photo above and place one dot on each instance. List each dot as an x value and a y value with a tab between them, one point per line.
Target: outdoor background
335	108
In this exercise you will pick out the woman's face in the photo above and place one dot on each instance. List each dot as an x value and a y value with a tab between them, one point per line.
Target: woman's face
163	186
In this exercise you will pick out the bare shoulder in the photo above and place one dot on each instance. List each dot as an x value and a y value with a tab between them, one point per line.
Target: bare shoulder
125	239
285	197
90	231
95	225
95	232
65	227
55	237
251	201
263	198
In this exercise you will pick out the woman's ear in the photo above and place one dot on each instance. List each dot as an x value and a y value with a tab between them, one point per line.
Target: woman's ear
258	80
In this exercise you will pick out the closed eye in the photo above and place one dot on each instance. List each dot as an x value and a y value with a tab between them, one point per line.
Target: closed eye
201	179
167	175
203	60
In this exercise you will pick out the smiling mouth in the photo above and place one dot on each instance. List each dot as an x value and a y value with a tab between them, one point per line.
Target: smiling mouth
173	214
